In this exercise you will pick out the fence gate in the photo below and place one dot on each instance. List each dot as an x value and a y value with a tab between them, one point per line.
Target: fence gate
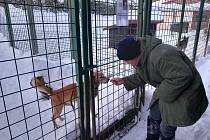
48	47
116	110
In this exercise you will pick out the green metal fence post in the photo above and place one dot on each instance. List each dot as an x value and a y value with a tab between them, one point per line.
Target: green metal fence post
198	30
85	45
181	21
146	2
138	96
72	27
91	72
30	17
76	42
146	29
147	16
147	22
143	28
140	17
207	40
149	9
139	34
9	24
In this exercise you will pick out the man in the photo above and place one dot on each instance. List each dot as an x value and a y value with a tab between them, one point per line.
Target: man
179	98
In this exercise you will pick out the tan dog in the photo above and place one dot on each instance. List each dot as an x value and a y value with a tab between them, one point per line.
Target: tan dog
64	95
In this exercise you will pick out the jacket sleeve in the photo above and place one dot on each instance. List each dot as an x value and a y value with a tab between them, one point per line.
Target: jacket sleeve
133	81
177	76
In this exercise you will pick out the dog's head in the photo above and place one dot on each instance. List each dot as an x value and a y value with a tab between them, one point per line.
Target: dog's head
38	82
100	78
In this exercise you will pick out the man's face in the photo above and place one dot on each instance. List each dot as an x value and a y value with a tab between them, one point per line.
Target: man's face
134	62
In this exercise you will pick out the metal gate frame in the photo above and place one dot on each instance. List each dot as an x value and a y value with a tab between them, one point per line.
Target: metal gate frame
87	72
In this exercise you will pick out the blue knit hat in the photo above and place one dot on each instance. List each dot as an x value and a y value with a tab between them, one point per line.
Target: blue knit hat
128	49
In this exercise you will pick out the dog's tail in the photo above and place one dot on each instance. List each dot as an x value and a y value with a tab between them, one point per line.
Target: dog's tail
40	84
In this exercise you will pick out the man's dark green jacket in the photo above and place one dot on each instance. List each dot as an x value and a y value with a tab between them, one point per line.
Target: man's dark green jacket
179	88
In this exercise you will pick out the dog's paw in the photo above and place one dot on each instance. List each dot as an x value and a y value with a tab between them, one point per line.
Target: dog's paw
59	122
61	118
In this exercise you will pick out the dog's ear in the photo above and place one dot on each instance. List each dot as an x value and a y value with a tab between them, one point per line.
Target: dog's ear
95	73
95	70
32	82
40	77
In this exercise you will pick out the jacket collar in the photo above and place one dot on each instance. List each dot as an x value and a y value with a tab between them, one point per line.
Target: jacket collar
147	44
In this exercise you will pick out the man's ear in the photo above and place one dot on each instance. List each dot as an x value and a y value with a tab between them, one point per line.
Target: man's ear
97	71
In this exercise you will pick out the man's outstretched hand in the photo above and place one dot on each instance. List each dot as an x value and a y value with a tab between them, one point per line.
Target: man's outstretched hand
117	81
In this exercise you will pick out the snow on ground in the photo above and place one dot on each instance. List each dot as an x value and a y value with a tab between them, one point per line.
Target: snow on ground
14	98
25	110
111	104
38	123
199	131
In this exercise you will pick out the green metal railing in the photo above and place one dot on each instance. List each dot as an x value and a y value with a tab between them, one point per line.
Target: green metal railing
207	40
8	18
79	69
181	21
198	29
32	28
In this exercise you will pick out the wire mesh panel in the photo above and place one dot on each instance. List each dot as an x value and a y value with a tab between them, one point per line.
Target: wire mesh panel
167	18
113	102
25	77
50	19
3	28
203	36
170	12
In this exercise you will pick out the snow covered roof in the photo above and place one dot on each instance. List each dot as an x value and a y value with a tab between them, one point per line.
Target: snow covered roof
164	5
157	15
187	1
181	1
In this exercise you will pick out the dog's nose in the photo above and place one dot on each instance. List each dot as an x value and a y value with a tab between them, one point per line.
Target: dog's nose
108	79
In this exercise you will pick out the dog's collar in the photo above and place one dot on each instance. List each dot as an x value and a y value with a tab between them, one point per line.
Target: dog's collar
96	87
96	84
